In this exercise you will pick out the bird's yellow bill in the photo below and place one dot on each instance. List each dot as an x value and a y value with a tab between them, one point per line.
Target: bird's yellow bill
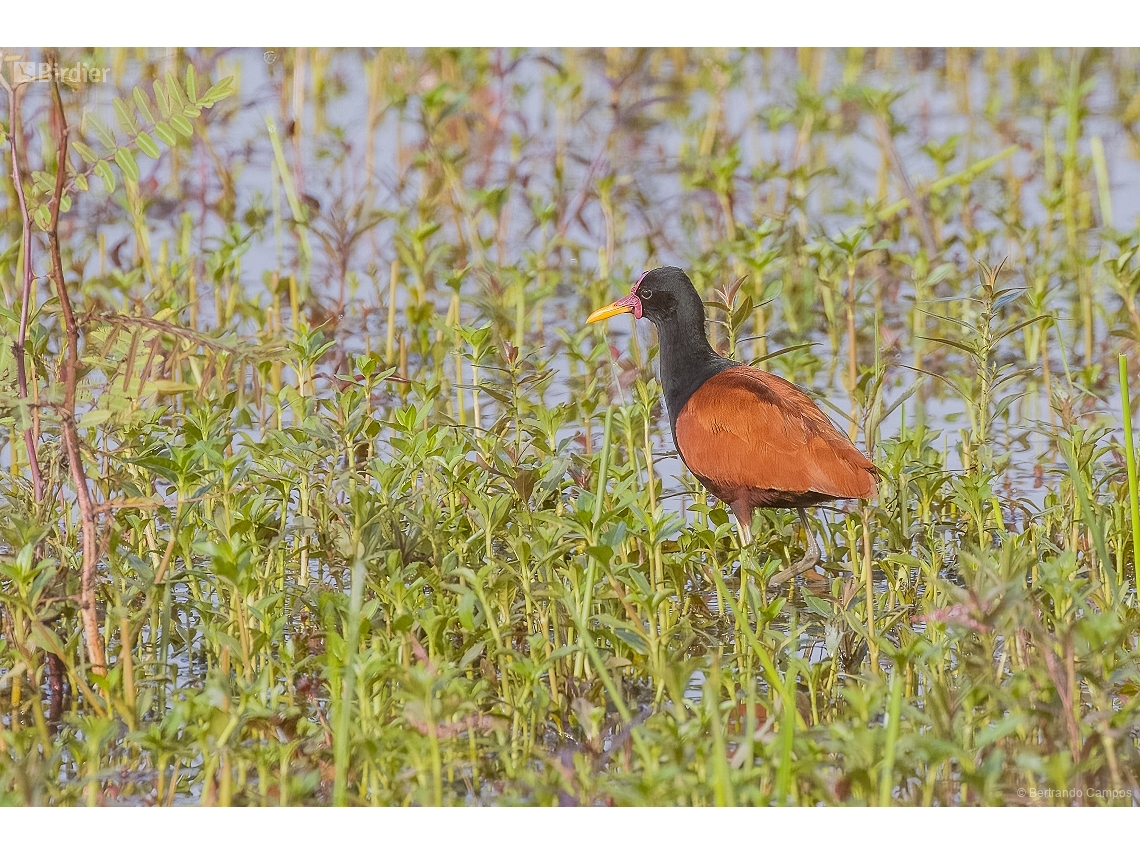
609	311
618	307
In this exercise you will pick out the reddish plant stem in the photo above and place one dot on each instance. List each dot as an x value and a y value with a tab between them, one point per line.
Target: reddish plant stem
31	433
70	433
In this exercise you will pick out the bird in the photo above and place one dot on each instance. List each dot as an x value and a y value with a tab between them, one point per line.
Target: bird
753	439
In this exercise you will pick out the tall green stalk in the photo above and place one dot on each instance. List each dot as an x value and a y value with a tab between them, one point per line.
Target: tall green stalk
886	774
344	713
1130	461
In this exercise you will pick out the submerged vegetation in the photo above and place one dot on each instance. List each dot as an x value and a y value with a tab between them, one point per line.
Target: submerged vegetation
316	489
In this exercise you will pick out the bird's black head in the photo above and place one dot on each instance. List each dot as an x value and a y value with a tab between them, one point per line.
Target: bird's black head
668	298
664	296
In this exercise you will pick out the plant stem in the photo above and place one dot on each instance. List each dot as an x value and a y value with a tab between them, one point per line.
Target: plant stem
1130	462
886	775
390	341
868	578
31	438
341	736
68	427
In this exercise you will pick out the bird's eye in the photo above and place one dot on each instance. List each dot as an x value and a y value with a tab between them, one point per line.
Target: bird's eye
645	294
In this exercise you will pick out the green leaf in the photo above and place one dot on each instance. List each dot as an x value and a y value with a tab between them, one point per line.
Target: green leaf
601	554
65	203
1124	332
143	103
45	639
161	466
166	134
634	641
81	182
742	312
86	152
782	351
1010	295
1008	332
224	88
174	92
123	114
182	125
955	386
104	133
126	162
42	217
403	623
172	387
191	83
955	298
948	320
940	273
161	99
103	170
1084	503
815	604
1000	407
947	342
148	146
91	418
466	610
472	654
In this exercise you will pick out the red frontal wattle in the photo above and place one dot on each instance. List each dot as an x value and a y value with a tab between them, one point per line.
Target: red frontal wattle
633	300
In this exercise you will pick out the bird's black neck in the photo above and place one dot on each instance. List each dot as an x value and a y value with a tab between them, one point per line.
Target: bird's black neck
687	361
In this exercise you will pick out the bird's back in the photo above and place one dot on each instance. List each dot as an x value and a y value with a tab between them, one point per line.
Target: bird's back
749	435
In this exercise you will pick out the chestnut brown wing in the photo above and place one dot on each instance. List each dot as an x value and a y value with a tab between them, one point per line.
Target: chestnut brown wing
747	428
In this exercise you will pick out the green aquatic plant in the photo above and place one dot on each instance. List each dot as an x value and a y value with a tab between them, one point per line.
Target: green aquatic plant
371	518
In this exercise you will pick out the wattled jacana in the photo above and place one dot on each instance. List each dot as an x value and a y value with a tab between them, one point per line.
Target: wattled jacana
751	438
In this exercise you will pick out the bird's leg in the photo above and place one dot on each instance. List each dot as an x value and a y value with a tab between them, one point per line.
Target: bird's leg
743	513
810	559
